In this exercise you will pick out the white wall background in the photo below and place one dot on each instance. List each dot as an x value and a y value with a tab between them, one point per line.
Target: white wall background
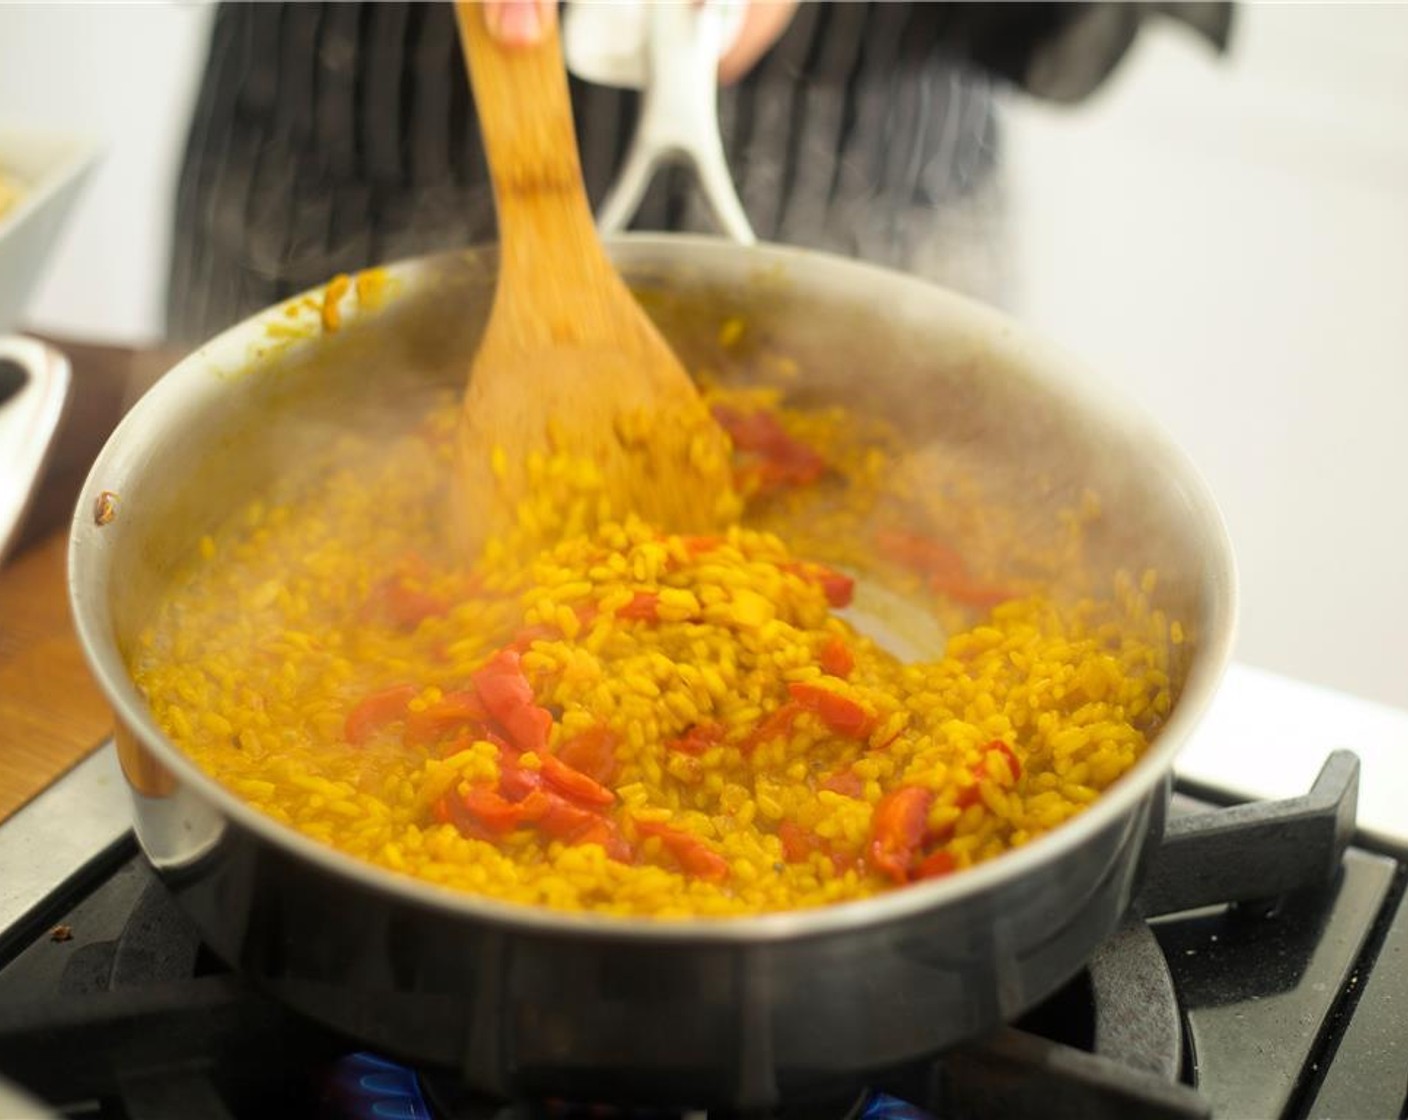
1229	240
125	74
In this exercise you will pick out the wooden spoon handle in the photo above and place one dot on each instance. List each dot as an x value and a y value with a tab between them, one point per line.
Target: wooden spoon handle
525	118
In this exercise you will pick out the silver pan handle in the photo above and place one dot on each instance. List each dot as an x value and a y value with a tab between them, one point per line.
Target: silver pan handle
34	389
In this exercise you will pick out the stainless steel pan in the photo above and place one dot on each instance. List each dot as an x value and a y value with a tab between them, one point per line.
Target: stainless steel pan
742	1012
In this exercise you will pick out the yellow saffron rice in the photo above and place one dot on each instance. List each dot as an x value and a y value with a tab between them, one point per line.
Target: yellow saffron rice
757	753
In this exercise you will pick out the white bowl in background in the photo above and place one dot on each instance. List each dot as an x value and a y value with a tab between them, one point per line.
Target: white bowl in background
51	167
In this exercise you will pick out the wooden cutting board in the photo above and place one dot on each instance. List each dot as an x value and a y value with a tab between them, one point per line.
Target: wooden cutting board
51	711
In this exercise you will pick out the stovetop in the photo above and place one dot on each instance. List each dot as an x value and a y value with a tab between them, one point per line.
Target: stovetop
1262	973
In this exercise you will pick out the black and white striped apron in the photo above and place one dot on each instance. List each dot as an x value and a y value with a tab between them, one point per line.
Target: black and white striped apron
330	137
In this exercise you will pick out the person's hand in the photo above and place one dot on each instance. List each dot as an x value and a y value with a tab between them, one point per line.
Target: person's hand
521	23
763	25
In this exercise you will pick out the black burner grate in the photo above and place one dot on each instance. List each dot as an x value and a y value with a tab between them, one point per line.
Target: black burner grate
123	1014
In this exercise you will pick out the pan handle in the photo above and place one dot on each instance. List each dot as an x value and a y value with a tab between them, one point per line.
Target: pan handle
1218	856
34	389
679	120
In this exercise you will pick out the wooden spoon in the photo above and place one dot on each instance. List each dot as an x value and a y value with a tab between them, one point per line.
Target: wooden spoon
569	364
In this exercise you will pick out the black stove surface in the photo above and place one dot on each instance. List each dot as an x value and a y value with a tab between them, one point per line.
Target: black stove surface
1291	1001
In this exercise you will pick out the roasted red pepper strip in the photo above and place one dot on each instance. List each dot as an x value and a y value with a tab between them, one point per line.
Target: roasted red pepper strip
377	710
936	865
561	820
997	746
897	829
779	723
593	752
750	431
698	738
797	845
970	593
603	832
836	657
785	460
839	589
509	698
517	782
574	784
840	714
530	634
484	815
643	608
845	782
494	813
449	809
695	857
922	555
942	567
695	545
454	709
401	606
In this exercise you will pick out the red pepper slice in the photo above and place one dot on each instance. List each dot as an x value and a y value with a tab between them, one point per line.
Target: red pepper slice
530	634
749	431
836	657
494	813
1013	762
922	555
454	709
845	782
555	815
603	832
839	589
778	723
942	567
593	752
936	865
697	739
840	714
643	608
695	545
449	809
797	845
897	829
694	856
509	698
784	460
969	592
395	603
561	820
574	784
377	710
517	782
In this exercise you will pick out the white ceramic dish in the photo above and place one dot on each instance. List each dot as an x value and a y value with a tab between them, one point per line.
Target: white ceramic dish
51	167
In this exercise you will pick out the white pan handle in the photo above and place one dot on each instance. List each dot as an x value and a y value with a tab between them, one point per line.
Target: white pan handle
679	120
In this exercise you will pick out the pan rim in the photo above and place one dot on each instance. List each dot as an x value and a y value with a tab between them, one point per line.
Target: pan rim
190	380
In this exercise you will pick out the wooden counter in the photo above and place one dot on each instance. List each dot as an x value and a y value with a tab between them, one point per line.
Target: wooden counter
51	712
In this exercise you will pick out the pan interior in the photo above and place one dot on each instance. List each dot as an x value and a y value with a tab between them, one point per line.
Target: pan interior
983	422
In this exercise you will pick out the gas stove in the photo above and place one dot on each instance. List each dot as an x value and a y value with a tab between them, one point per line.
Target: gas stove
1263	972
